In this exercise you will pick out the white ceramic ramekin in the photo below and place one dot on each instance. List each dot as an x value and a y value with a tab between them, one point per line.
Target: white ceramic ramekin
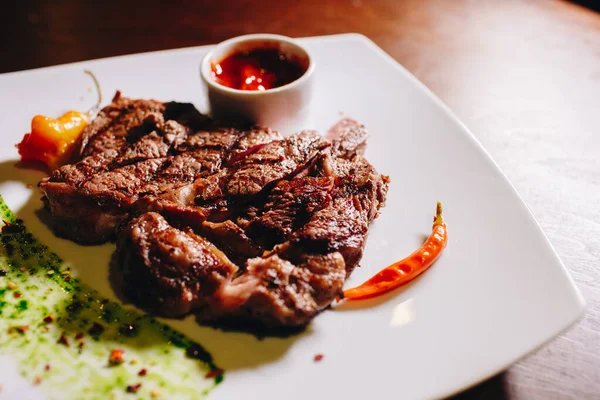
284	108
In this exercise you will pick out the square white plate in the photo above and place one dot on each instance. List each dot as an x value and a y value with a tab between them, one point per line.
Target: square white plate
498	292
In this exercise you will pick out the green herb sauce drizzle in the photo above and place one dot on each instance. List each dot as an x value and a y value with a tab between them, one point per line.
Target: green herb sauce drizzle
61	332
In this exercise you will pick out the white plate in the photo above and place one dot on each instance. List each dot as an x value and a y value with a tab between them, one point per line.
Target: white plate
498	292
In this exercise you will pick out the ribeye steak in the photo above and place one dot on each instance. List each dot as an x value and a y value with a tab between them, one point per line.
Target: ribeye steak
225	222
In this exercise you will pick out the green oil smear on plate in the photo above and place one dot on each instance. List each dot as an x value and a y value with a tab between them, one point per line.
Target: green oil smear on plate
61	332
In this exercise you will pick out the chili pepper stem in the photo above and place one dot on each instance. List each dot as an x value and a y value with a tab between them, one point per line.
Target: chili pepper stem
438	219
96	107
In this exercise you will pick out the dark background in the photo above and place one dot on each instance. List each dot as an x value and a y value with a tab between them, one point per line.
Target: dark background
492	61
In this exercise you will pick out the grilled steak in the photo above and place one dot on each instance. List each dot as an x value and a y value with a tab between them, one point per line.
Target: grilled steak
227	223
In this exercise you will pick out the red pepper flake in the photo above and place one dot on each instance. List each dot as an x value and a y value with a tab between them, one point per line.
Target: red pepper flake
47	367
134	388
67	279
142	372
20	329
116	357
48	319
23	329
17	294
37	380
214	372
319	357
79	336
63	340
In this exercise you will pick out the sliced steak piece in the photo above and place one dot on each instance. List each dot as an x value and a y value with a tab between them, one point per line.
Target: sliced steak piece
155	143
167	270
90	212
355	176
288	206
341	227
274	293
348	138
109	130
272	162
80	217
252	141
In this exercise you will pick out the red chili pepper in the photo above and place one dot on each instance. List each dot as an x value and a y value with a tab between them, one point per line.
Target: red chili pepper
404	271
51	140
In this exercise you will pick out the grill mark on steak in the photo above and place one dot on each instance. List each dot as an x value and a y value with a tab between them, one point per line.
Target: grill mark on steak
230	224
251	142
272	162
288	206
116	121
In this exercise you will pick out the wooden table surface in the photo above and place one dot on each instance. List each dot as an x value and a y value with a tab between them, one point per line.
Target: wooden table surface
524	76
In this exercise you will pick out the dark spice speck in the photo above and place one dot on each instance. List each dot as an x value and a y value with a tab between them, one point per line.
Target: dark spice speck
134	388
96	329
63	340
23	329
74	307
